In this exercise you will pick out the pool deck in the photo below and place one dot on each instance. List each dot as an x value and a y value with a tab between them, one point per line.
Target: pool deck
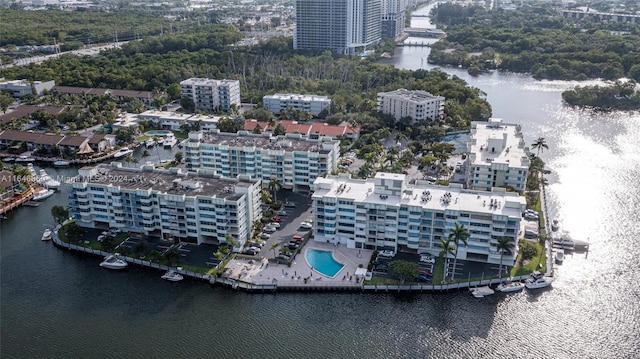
283	276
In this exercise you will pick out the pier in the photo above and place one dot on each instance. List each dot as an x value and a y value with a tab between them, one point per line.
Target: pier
16	201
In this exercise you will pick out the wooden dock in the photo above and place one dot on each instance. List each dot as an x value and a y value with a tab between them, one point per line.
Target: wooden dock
32	203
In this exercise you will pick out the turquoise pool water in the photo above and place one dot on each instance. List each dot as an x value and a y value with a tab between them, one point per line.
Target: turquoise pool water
157	133
323	262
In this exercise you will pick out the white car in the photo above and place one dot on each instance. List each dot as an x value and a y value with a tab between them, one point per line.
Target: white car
275	225
269	229
530	211
531	217
387	253
427	259
306	225
264	236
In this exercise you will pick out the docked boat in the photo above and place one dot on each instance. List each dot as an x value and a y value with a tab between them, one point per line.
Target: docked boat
579	245
510	287
564	242
150	143
480	292
555	225
46	180
113	261
537	280
32	171
25	159
8	159
172	276
123	152
169	141
43	194
61	163
559	256
47	235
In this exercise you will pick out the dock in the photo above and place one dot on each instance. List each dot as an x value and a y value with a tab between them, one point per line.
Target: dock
32	203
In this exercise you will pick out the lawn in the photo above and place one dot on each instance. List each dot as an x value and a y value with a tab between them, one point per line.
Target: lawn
539	262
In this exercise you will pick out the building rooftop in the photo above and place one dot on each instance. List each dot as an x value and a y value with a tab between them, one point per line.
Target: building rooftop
26	110
164	115
264	142
291	96
163	181
497	142
423	195
412	95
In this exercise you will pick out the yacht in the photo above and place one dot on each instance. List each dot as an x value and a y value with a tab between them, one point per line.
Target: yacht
114	261
43	194
172	276
564	242
123	152
169	141
47	235
480	292
537	280
510	287
46	180
559	256
25	159
59	162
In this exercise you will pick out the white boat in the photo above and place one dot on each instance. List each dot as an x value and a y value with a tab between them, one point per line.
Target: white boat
61	163
46	180
113	261
32	171
172	276
46	236
537	280
25	159
43	194
169	141
8	159
555	225
480	292
149	143
564	242
510	287
559	256
123	152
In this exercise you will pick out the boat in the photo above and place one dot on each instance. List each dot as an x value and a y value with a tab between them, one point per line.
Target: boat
113	261
8	159
559	256
150	143
564	242
46	180
47	235
385	55
480	292
555	225
43	194
32	171
172	276
169	141
25	159
579	245
537	280
123	152
510	287
61	163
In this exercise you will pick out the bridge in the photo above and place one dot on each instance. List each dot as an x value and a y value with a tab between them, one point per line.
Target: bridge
422	32
414	44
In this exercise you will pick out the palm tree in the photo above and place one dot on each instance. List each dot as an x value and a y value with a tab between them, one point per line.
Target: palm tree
504	245
400	136
274	245
540	144
274	185
231	241
457	235
447	248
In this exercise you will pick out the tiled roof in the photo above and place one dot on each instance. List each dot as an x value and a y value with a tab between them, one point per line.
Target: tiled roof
26	110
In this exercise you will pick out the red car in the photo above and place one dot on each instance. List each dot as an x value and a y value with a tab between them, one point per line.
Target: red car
298	238
276	219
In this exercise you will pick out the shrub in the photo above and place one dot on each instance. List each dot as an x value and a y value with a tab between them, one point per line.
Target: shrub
527	249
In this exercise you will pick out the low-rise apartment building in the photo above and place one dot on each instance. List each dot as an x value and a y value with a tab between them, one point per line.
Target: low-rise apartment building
417	104
497	156
19	88
295	161
210	94
171	205
312	104
386	212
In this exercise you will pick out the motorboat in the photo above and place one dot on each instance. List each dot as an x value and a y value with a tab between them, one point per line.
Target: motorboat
480	292
32	171
510	287
537	280
555	225
25	159
169	141
150	143
564	242
579	245
61	163
114	261
172	276
47	235
559	256
123	152
43	194
46	180
8	159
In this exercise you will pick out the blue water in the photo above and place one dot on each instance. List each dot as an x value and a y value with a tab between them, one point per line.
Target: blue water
157	133
457	139
323	262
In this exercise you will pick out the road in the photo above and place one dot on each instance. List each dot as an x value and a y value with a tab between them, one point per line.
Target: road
92	51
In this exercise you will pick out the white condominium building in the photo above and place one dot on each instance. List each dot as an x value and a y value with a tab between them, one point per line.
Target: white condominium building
417	104
295	161
309	103
211	95
170	205
497	156
386	212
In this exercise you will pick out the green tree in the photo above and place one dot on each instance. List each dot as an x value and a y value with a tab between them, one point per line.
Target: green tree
172	255
5	101
266	198
187	104
458	234
59	214
257	129
231	241
528	249
540	144
274	186
279	130
447	249
179	156
404	269
505	245
173	91
274	245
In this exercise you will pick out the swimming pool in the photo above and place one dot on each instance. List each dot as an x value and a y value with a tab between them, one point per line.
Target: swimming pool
323	262
157	133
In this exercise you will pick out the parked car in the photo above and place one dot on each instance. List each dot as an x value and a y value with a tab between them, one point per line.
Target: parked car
530	233
269	230
282	212
298	239
532	212
283	256
251	251
264	236
531	217
423	278
293	246
383	268
256	244
274	225
276	219
387	253
427	259
306	225
290	204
